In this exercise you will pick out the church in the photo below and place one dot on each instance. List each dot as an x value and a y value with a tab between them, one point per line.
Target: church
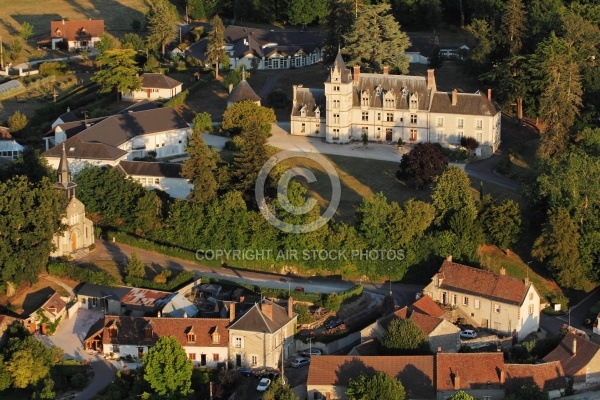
389	107
78	235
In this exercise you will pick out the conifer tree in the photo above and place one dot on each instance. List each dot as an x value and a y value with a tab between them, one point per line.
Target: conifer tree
215	48
162	23
248	162
199	170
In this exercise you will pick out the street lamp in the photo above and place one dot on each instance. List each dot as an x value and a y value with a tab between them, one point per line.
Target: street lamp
390	278
289	289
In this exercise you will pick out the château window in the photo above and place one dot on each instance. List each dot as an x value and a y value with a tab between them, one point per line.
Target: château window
479	124
479	137
238	342
378	116
477	304
365	99
413	103
389	103
215	356
390	117
440	135
216	338
465	301
336	88
459	136
413	135
336	118
531	309
413	118
336	133
254	360
496	308
365	130
365	115
303	128
336	104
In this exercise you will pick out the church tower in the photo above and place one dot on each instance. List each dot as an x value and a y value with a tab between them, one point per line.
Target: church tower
64	176
338	94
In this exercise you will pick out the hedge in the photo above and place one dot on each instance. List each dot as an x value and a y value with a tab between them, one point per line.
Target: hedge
183	278
81	273
182	97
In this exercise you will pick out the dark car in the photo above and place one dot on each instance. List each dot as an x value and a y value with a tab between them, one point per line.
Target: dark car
334	323
312	352
299	289
244	371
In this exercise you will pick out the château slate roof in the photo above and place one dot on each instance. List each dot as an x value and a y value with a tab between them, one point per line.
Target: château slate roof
402	87
468	104
311	99
159	81
482	283
144	168
86	150
346	75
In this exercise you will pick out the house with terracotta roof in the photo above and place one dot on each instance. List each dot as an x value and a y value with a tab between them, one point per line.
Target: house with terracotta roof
263	336
9	148
157	175
76	35
154	87
387	107
549	377
205	340
125	136
329	376
484	299
579	358
481	375
52	310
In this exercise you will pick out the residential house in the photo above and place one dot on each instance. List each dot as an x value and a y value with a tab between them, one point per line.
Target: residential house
579	358
78	235
329	376
155	86
108	298
53	309
267	49
481	375
263	335
426	305
76	35
243	91
158	131
9	148
157	175
549	377
69	116
389	107
205	340
487	300
421	47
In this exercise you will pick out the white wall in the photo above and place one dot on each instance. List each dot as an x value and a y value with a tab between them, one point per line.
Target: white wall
178	188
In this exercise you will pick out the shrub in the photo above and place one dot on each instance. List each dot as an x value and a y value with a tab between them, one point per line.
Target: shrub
277	99
17	122
81	273
78	381
53	68
180	280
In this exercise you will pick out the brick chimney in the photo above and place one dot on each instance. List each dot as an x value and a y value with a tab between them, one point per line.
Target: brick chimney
502	377
231	311
290	308
267	309
454	97
449	258
490	94
356	73
439	350
574	348
431	79
456	382
502	271
230	87
386	70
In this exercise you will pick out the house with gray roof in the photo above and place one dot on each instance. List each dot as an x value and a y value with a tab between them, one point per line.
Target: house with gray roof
243	91
388	107
154	87
124	136
157	175
263	335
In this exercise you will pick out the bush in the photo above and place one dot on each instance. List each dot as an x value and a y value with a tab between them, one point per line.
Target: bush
78	381
278	100
82	273
53	68
183	278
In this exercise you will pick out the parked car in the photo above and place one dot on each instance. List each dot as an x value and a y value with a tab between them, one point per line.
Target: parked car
468	334
273	376
312	352
334	323
299	289
263	384
300	362
244	371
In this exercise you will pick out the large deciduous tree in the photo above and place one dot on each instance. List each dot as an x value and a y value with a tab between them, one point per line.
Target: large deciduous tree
423	163
302	12
167	369
461	395
26	31
248	116
452	193
376	40
375	387
199	170
215	48
118	71
404	337
280	391
28	361
162	20
502	223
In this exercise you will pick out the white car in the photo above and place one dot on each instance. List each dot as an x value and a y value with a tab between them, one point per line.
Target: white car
263	384
468	334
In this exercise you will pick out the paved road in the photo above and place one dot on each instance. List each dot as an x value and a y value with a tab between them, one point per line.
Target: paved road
484	170
106	250
104	373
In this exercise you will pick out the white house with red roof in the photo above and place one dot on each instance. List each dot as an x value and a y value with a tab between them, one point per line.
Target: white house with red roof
486	299
76	35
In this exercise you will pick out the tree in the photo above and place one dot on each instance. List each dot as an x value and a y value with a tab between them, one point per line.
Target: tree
30	164
338	23
451	193
302	12
529	392
202	123
404	337
461	395
435	59
167	369
199	169
376	40
215	47
248	162
136	25
248	116
26	31
304	315
195	9
513	26
558	248
28	361
423	163
279	391
469	143
29	218
133	41
135	267
17	122
16	47
118	71
502	223
162	20
482	33
375	387
107	42
235	76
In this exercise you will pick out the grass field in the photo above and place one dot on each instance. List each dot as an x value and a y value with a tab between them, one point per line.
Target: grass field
117	16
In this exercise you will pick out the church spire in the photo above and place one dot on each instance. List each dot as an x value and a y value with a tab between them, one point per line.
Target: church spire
64	175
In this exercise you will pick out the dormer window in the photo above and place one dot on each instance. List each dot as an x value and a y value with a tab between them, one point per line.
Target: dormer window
58	33
303	111
216	338
414	101
191	337
317	112
148	332
365	98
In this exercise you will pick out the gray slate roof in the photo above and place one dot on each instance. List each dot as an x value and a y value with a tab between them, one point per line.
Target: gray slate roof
143	168
403	86
468	104
311	99
287	42
160	81
255	321
243	91
86	150
341	64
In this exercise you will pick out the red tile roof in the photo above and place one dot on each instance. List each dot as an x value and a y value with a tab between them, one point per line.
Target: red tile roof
425	322
475	370
563	353
5	134
398	314
426	305
54	305
77	30
482	283
133	330
547	376
415	372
